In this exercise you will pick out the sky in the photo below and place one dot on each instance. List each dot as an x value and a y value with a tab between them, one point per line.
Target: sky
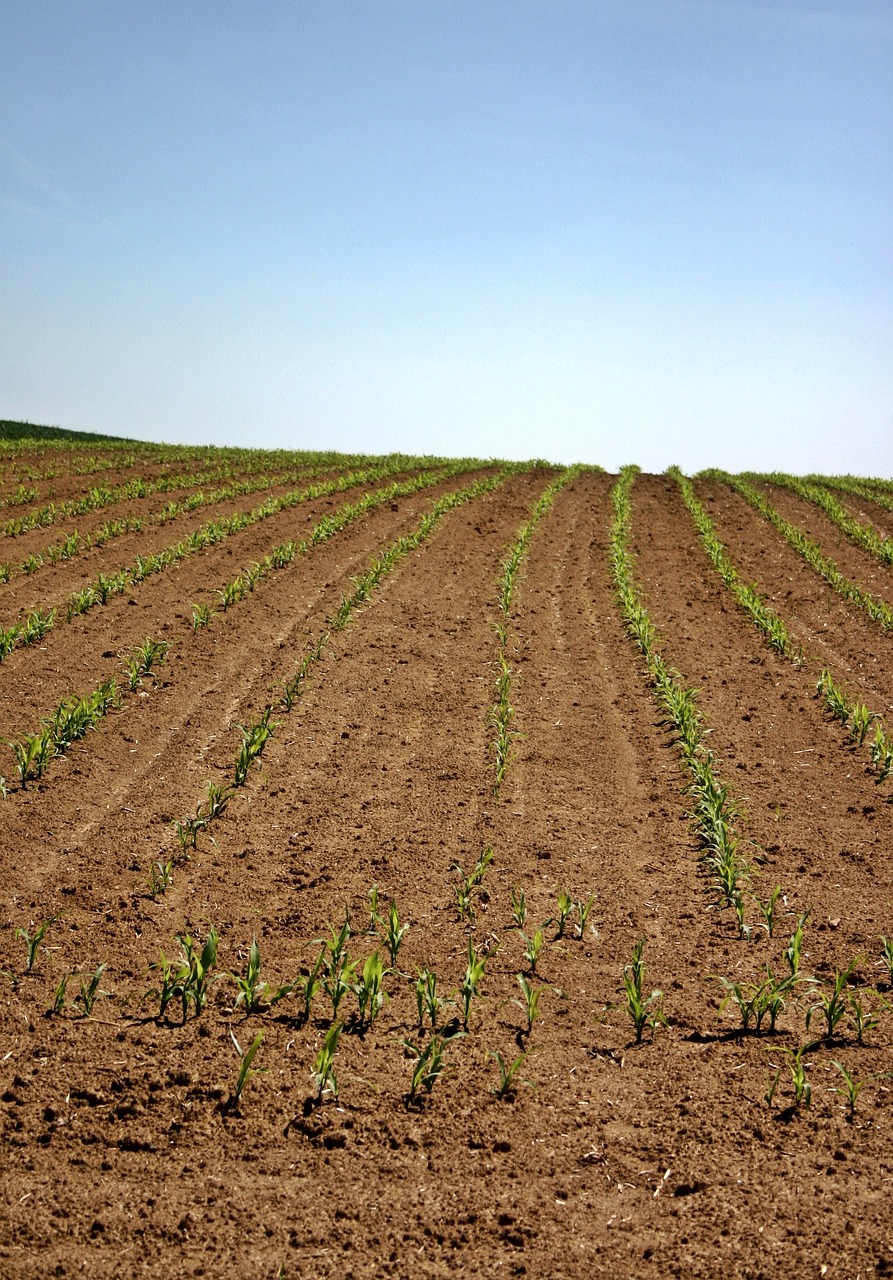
608	231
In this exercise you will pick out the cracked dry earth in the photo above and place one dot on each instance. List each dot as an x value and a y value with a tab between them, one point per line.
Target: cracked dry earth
124	1150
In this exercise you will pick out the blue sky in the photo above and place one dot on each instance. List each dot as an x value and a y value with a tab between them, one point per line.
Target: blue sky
622	230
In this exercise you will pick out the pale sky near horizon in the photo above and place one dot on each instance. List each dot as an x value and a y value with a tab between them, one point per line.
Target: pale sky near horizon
646	231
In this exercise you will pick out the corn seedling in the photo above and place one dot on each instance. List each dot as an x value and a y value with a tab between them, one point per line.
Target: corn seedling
187	830
161	877
89	993
882	754
863	1020
643	1011
519	907
532	949
218	799
797	1067
251	987
190	980
428	1002
254	739
758	1001
795	946
831	1005
530	1000
246	1058
308	985
33	940
861	720
853	1087
584	910
58	1005
430	1062
768	910
393	933
323	1073
509	1074
565	907
145	656
369	990
201	615
471	979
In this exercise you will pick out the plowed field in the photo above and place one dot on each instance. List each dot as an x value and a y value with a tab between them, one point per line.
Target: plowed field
127	1148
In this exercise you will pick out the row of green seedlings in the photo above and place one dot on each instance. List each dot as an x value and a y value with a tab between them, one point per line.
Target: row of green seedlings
502	711
106	586
810	551
714	811
869	489
184	983
101	496
857	719
854	716
760	1003
75	716
863	535
75	543
283	555
256	735
750	600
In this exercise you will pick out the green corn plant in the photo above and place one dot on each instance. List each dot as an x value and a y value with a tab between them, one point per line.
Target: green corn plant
369	990
190	980
89	993
338	970
33	940
376	919
863	1019
565	907
59	992
323	1073
430	1062
161	877
831	1005
201	615
5	571
187	830
853	1087
428	1002
584	910
797	1067
861	720
643	1011
145	656
246	1070
833	696
881	754
532	949
394	933
757	1001
509	1074
32	564
251	987
768	910
9	638
471	980
530	1000
33	754
218	798
254	739
795	946
309	984
519	907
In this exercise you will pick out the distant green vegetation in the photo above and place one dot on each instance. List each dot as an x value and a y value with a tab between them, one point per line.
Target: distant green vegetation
31	431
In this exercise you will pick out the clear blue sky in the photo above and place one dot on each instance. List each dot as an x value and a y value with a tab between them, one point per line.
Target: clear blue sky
613	230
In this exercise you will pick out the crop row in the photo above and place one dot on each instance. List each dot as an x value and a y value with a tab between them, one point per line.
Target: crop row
863	535
854	716
105	586
875	608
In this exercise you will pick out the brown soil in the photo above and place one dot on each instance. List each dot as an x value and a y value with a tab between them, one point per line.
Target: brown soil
125	1153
